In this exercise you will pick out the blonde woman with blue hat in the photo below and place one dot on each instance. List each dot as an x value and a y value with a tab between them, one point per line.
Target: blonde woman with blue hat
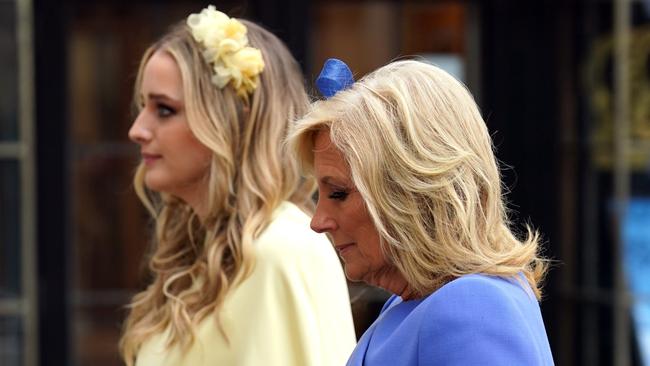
410	194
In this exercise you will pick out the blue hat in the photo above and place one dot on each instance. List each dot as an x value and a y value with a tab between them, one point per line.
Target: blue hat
334	76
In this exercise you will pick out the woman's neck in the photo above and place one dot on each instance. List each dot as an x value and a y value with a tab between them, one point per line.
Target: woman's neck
391	279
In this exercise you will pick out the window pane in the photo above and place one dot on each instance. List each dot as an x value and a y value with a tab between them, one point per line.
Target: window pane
9	229
96	329
109	221
11	344
110	236
8	72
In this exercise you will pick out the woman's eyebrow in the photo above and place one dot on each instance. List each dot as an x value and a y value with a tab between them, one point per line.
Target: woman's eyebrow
164	97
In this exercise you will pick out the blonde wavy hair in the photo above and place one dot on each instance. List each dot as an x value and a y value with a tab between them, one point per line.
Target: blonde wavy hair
421	157
196	263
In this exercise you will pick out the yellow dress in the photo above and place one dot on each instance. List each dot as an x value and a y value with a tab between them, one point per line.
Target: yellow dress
294	309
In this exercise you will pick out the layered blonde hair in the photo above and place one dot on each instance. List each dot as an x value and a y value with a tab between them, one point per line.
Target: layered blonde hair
195	263
421	157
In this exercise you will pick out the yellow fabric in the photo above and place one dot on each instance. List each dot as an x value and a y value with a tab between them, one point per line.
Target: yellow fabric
294	309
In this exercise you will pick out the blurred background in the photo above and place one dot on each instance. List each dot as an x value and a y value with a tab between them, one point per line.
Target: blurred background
564	87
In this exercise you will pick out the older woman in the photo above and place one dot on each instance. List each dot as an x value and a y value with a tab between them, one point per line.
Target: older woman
410	194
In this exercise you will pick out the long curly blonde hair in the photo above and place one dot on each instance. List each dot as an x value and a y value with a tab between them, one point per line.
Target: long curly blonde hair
422	158
195	263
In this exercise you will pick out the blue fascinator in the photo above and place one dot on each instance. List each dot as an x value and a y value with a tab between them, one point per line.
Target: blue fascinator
334	76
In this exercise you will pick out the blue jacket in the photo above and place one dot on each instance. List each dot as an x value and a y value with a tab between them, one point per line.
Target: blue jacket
473	320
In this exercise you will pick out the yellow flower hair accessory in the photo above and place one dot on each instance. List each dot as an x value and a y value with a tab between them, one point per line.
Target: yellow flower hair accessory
227	50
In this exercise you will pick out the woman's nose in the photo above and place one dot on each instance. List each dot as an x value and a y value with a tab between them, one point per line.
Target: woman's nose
139	132
322	222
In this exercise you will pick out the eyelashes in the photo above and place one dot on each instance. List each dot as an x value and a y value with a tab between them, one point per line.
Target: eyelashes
339	195
164	110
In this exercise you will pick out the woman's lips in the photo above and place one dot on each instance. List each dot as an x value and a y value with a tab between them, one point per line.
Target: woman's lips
149	159
344	248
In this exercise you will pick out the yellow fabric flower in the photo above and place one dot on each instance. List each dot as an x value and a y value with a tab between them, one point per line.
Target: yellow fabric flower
226	48
247	64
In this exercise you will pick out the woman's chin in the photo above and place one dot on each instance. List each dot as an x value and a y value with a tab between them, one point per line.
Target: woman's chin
153	183
352	274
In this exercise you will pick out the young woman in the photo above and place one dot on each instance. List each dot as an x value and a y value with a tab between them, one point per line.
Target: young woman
237	276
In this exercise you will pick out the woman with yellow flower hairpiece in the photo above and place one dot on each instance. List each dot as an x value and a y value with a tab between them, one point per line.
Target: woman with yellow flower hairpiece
238	278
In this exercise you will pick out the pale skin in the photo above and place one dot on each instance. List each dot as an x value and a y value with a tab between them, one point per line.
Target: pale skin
175	161
341	212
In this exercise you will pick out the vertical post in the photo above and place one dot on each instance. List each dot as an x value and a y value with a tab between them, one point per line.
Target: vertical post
566	341
25	45
50	136
621	176
473	47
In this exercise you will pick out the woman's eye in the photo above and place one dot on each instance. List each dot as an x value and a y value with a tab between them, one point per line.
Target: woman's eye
164	111
338	195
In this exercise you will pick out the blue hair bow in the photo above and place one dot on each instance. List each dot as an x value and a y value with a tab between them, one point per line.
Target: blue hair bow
334	76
